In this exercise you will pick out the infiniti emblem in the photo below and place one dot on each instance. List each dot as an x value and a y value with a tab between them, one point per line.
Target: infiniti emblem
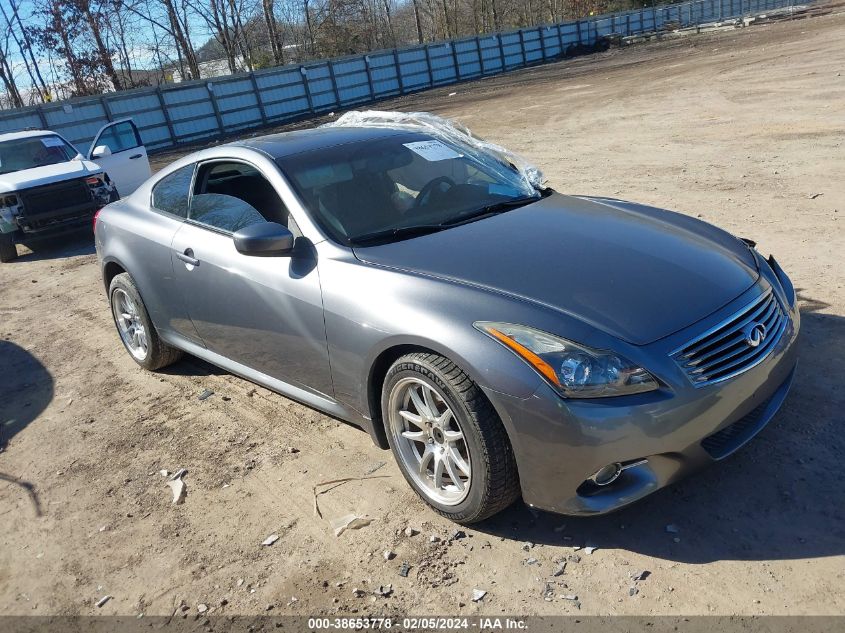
755	333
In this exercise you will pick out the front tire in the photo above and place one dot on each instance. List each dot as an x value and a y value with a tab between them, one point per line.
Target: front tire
136	330
8	250
447	439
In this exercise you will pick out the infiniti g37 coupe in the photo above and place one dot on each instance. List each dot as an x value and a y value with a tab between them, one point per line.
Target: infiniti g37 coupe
502	339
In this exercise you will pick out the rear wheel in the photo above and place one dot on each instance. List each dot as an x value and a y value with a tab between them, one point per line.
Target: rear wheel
8	250
447	439
133	324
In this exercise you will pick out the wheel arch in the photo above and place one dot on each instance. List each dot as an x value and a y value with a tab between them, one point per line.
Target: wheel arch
381	364
375	382
111	269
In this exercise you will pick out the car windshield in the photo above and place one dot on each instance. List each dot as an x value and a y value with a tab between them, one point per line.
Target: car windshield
35	151
400	185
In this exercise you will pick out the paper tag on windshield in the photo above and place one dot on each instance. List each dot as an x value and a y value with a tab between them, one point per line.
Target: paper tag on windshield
432	150
52	141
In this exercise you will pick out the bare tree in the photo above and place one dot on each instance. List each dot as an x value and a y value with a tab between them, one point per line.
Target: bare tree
54	34
93	14
240	17
216	15
174	22
306	7
387	12
8	77
22	40
273	31
417	21
118	29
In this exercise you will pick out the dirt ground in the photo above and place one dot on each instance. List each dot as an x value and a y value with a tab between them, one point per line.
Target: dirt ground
744	129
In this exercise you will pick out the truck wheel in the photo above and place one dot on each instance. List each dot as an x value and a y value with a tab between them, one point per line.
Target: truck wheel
8	250
447	439
135	328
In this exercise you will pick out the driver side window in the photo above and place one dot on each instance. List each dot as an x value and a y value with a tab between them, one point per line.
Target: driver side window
230	195
120	137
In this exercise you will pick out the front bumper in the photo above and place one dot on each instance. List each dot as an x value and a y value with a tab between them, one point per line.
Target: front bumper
57	208
69	223
559	443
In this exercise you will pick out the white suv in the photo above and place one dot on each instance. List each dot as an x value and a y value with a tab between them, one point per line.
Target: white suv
47	187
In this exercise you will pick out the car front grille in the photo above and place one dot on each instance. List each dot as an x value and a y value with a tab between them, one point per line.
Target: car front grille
736	345
54	197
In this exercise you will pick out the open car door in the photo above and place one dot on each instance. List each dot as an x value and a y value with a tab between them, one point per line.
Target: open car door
118	150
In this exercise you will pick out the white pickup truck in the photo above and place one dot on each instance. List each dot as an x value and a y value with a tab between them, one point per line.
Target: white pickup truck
47	187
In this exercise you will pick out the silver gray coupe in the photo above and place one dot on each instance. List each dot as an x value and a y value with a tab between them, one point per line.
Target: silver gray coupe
502	339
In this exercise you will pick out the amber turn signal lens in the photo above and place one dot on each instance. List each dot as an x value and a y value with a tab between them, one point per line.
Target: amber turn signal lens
539	364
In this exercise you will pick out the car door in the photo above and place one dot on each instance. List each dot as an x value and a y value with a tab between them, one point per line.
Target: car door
117	148
152	243
263	312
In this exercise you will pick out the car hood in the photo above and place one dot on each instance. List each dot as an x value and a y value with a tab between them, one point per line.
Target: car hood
635	272
26	178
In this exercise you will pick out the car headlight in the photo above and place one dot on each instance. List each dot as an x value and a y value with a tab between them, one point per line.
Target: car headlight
9	200
575	371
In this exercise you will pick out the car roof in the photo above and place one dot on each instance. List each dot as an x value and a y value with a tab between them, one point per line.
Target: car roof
287	144
13	136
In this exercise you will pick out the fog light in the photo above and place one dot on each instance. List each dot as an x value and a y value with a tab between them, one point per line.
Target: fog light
607	475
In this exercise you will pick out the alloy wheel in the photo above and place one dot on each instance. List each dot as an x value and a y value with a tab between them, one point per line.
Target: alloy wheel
129	324
429	441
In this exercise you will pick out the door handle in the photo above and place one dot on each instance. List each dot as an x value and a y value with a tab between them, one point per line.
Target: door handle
134	156
188	257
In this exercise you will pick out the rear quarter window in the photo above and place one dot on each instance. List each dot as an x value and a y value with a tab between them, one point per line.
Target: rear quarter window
171	193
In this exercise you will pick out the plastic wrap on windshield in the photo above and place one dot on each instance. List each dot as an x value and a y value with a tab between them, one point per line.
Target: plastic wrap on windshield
444	129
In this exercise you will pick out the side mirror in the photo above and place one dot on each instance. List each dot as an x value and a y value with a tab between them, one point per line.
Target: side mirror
264	239
100	151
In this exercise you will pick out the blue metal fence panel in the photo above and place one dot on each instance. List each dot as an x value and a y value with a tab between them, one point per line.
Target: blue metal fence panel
442	63
511	50
569	33
320	86
384	74
278	87
186	93
224	87
531	45
131	105
491	55
551	40
414	69
196	110
352	80
174	114
469	65
19	120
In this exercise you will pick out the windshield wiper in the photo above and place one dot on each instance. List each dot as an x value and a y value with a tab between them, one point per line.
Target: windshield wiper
490	209
399	232
424	229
